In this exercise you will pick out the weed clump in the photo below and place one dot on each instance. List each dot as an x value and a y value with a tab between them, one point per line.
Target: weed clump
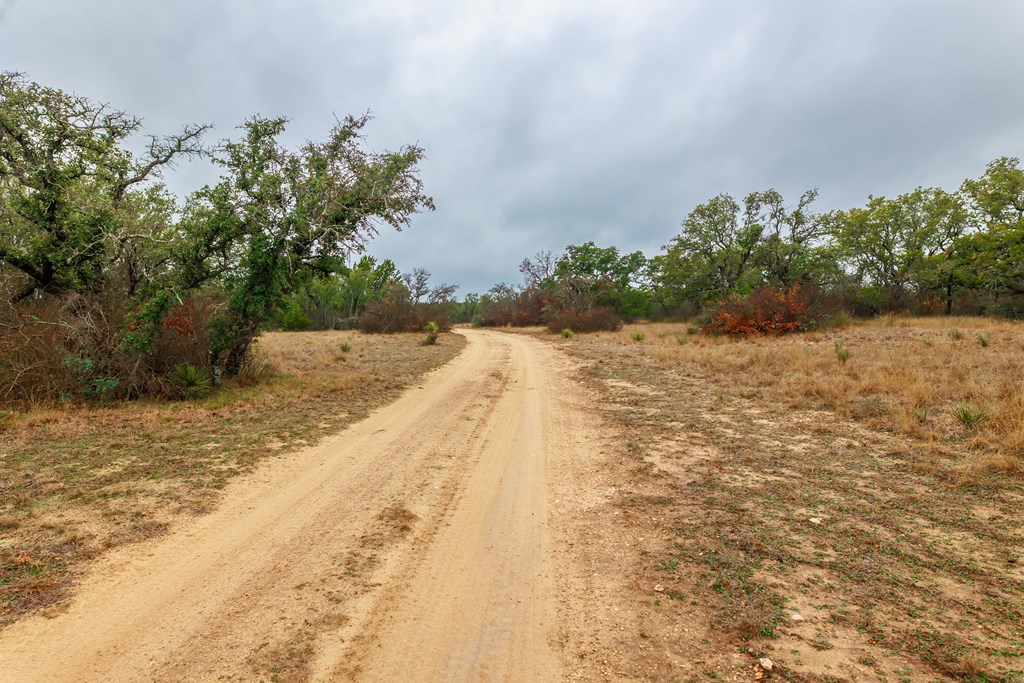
567	333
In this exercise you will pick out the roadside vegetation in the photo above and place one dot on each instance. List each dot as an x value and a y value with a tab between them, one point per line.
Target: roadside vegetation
77	481
761	265
849	517
113	288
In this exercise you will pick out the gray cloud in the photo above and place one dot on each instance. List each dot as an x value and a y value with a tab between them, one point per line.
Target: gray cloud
553	123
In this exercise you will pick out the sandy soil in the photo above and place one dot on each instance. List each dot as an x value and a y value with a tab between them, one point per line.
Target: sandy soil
455	534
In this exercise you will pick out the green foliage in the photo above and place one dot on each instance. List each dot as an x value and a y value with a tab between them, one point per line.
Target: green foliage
617	281
194	381
86	382
903	244
295	319
291	215
984	339
842	353
567	333
712	256
956	334
77	207
970	415
432	330
638	336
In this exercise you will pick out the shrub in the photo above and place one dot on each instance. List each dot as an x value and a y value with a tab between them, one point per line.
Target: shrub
984	339
595	320
294	319
638	336
767	310
431	337
397	312
194	381
567	333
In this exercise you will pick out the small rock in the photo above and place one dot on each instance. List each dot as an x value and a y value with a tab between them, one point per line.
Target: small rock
797	616
659	588
815	520
766	663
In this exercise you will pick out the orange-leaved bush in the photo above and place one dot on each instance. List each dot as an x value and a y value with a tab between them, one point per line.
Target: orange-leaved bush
767	310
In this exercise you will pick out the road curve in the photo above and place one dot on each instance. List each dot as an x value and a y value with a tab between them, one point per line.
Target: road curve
416	545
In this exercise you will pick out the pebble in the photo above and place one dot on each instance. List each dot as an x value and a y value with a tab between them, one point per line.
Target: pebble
797	616
766	663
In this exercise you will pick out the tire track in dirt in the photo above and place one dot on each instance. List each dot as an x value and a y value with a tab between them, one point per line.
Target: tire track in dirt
416	544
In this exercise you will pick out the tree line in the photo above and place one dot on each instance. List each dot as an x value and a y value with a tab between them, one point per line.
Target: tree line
110	285
925	252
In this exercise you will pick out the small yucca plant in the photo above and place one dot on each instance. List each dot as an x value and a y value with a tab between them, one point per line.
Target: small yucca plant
956	334
432	330
638	336
195	381
970	415
984	339
567	333
842	353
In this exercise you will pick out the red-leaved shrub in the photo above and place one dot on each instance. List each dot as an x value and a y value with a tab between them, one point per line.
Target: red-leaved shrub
768	310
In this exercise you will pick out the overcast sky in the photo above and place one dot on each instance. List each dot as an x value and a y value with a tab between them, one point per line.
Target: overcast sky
553	123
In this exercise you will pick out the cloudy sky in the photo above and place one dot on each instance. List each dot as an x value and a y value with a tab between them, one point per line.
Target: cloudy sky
549	123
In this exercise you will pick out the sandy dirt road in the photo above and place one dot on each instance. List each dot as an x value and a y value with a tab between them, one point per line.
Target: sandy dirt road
422	544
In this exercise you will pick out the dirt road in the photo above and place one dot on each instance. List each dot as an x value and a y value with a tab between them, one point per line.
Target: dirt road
421	544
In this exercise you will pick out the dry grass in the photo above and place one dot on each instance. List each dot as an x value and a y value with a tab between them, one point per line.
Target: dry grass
904	374
75	482
777	480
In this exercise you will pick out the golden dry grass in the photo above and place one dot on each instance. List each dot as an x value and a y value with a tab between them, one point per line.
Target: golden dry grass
76	481
904	374
768	478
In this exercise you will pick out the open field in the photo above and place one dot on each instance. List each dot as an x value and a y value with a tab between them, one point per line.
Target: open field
838	518
77	482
